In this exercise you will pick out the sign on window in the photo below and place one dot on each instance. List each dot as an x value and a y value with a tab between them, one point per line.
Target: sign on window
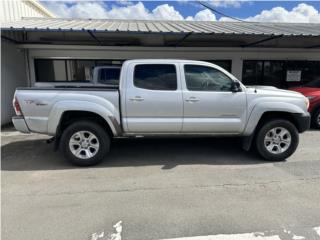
293	76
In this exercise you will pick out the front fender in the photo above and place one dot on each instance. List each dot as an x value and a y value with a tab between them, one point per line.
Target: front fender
107	111
260	108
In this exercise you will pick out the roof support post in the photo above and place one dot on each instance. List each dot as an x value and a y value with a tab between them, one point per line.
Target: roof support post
177	43
94	37
261	41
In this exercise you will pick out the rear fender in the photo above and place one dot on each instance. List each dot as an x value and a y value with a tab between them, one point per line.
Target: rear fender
107	111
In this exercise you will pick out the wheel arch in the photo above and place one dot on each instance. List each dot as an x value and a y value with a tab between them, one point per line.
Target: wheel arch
106	115
264	117
71	116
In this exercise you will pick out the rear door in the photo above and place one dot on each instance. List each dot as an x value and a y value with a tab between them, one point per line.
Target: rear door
153	98
209	104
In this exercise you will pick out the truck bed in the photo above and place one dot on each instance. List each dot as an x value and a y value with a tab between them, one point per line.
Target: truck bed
43	106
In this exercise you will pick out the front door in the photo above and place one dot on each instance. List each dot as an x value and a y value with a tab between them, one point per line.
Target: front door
209	104
153	99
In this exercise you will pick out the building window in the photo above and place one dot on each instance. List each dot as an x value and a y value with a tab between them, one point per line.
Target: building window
252	72
80	70
225	64
50	70
155	76
280	73
74	70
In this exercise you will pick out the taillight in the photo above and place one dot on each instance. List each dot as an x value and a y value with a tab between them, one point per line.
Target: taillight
17	107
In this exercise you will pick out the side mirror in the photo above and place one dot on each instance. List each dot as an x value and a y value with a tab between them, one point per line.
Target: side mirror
235	86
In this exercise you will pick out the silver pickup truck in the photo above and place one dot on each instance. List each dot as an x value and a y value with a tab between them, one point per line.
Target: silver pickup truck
163	98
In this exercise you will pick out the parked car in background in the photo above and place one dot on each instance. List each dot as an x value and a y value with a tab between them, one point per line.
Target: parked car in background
312	91
163	98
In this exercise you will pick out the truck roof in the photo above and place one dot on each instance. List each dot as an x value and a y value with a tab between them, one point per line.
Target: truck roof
162	60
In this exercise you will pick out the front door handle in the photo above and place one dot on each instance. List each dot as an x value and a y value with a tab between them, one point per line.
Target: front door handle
137	99
192	99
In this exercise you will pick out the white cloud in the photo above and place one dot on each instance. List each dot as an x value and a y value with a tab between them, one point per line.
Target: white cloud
302	13
166	12
76	10
124	11
204	15
136	10
215	3
226	3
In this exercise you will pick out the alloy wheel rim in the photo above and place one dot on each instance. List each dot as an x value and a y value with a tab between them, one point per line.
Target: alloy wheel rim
84	144
277	140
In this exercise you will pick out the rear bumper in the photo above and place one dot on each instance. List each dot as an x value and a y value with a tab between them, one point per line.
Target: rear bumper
302	121
20	124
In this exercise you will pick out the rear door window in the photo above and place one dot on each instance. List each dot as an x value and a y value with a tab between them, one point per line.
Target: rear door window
155	77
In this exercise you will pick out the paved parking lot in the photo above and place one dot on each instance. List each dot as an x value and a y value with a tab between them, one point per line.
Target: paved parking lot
160	189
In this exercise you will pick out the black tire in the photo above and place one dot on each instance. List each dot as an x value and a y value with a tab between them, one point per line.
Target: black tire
86	126
315	119
265	128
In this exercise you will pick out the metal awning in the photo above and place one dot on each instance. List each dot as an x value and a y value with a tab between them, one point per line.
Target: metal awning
110	32
157	26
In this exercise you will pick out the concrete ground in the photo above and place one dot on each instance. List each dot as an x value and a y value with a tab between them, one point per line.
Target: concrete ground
160	189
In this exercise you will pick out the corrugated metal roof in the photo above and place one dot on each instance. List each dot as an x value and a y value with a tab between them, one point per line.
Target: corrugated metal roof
156	26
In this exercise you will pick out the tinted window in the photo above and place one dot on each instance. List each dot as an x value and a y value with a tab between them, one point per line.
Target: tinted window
69	70
202	78
80	70
155	76
252	72
109	76
50	70
275	73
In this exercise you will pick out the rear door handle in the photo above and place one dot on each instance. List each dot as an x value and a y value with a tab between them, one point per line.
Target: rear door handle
137	99
192	99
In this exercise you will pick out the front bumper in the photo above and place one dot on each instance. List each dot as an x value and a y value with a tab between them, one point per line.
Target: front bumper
302	121
20	124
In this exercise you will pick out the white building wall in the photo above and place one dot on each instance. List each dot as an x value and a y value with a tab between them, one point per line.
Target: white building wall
11	10
13	70
13	74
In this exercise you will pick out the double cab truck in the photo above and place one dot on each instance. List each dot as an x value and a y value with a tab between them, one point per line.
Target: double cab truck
162	98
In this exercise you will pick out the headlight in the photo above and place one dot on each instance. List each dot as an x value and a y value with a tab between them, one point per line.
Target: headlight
307	102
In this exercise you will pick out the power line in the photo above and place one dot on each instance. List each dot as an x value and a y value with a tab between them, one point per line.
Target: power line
220	13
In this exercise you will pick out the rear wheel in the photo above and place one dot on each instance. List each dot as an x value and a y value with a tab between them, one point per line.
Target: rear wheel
84	143
316	119
277	139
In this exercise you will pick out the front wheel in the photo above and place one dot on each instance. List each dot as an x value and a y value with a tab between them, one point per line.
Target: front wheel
84	143
277	140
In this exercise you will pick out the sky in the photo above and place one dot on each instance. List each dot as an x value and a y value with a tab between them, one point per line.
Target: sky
262	11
